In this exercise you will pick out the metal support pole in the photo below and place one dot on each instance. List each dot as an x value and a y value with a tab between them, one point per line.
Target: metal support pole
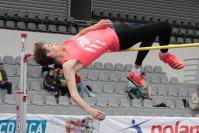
21	106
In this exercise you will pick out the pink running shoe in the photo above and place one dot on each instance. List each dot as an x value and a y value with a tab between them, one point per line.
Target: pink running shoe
136	79
171	60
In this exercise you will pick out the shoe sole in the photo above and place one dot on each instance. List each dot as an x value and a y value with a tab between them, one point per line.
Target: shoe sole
132	81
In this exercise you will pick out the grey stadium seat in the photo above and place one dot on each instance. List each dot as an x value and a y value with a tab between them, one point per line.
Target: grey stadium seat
98	65
102	101
10	24
42	27
8	60
119	67
1	23
91	100
32	26
115	76
170	103
11	70
114	101
98	88
128	67
109	88
179	104
136	103
52	28
148	103
104	76
93	75
157	69
162	91
34	71
64	101
62	29
173	92
35	84
148	68
108	66
125	102
21	25
10	99
50	100
38	100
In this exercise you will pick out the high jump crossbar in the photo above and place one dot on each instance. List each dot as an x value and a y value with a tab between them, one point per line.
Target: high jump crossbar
171	46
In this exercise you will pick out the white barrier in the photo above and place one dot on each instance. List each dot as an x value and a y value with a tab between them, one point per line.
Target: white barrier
112	124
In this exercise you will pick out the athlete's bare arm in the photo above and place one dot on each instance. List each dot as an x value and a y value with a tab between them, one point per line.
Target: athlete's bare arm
70	68
100	25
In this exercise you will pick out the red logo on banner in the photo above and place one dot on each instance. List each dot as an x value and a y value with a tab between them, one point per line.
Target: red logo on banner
177	128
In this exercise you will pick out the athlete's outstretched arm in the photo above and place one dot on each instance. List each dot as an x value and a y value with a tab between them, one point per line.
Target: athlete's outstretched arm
100	25
69	74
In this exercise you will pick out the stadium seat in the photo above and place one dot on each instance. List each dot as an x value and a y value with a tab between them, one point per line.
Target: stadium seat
12	14
120	88
164	80
91	100
180	40
32	62
35	85
8	60
104	76
170	104
52	28
179	104
10	99
1	23
125	102
172	92
136	103
119	67
64	101
157	69
51	100
32	15
98	88
22	15
93	75
182	92
32	26
52	18
102	101
147	103
173	80
148	68
11	70
196	40
21	25
188	40
42	27
38	100
34	71
108	66
84	74
14	81
109	88
98	65
114	101
162	91
10	24
124	77
115	76
62	29
128	67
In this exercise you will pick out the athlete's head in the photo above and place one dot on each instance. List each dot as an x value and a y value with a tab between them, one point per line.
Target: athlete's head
46	53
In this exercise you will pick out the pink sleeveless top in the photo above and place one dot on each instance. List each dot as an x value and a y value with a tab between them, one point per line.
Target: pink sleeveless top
90	46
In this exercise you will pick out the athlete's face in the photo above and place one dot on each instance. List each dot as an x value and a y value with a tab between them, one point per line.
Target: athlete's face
52	49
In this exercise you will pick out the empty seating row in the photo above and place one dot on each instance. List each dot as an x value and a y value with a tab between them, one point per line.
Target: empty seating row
102	101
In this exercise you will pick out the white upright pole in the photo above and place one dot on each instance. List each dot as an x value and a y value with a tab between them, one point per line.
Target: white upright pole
22	93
